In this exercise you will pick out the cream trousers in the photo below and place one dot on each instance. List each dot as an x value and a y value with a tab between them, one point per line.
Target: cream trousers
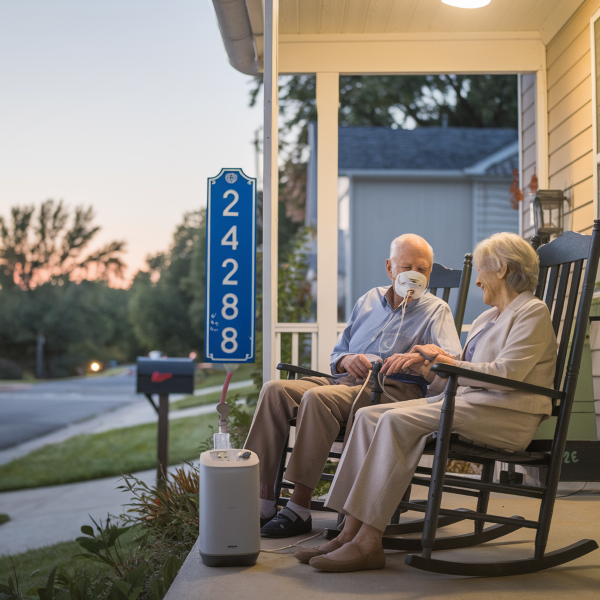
387	442
320	409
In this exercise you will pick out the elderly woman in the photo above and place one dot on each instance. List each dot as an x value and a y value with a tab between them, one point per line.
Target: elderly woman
513	339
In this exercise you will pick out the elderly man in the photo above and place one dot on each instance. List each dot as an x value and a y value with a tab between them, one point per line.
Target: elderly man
384	322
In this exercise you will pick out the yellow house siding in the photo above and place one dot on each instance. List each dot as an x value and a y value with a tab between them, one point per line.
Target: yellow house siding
570	80
562	134
570	135
571	103
567	154
562	65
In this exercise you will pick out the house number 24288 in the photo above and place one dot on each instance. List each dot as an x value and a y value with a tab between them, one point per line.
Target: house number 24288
229	310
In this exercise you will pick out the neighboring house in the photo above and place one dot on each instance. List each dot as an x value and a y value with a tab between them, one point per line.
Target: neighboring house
448	184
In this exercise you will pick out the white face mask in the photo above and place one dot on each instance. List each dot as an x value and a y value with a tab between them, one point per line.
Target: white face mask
410	280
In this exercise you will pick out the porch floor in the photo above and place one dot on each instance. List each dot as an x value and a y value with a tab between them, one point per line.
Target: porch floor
277	576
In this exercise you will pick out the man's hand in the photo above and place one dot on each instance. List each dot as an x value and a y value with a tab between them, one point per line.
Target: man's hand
356	365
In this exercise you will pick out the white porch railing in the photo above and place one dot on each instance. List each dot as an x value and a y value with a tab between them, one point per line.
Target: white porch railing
295	329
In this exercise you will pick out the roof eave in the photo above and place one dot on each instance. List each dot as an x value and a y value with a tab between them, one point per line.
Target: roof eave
236	31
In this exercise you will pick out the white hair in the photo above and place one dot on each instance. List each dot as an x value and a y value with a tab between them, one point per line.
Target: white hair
513	252
409	238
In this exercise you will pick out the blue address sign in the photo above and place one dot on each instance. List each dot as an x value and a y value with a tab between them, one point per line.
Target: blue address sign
230	267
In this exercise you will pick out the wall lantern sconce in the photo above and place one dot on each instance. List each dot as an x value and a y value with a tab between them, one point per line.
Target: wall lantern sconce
548	213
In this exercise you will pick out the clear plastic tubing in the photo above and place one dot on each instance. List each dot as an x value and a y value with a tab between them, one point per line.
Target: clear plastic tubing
221	440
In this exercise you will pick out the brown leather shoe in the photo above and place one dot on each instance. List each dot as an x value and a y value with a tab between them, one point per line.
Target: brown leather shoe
373	560
305	554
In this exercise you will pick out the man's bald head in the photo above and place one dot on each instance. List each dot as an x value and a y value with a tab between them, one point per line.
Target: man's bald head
410	242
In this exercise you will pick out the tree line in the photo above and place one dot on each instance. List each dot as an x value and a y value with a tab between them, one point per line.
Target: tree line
53	286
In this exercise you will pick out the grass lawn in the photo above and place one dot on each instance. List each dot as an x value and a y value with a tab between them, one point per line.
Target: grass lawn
43	560
4	518
107	454
190	401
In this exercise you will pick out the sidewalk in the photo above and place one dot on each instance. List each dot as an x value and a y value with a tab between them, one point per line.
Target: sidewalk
44	516
136	413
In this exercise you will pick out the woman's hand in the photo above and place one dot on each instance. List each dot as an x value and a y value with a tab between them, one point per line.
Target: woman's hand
430	350
401	362
418	360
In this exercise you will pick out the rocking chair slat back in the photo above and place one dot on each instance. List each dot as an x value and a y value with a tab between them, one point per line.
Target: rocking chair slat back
569	315
551	287
445	279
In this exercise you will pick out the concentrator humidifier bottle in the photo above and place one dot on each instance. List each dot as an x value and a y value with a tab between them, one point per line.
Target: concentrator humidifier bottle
229	500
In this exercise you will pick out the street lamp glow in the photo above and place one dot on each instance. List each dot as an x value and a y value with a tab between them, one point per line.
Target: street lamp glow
95	367
467	3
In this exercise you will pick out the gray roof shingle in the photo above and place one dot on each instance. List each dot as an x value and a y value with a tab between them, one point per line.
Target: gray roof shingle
431	148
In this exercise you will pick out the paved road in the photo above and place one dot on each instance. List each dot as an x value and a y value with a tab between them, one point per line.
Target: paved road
44	407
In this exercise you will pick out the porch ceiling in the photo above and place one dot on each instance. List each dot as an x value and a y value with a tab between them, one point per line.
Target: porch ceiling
347	18
417	16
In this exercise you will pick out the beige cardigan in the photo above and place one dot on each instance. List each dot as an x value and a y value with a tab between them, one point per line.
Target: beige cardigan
521	345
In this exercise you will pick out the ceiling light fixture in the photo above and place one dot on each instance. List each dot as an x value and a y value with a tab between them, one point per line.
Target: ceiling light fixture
467	3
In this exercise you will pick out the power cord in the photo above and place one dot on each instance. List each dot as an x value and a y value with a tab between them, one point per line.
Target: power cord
573	493
295	545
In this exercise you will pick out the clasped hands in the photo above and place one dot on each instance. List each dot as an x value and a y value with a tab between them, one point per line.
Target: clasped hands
418	361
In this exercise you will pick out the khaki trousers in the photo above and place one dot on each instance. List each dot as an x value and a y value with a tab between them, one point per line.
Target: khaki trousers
320	408
387	442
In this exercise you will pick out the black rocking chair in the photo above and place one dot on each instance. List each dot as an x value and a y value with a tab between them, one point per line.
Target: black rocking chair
562	263
442	280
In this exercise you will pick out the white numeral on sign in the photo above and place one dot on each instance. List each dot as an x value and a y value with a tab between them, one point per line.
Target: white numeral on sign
230	238
227	212
234	267
229	304
229	337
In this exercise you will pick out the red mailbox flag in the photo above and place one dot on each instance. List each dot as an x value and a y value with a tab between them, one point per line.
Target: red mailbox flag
159	377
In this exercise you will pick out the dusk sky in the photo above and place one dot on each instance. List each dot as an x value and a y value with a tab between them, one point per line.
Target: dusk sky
125	105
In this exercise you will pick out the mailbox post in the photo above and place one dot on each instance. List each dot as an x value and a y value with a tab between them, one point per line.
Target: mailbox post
164	376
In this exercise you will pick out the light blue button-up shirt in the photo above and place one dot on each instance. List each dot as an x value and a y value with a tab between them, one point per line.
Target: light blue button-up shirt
373	329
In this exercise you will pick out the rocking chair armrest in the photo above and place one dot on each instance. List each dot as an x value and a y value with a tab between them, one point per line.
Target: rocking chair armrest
300	370
444	371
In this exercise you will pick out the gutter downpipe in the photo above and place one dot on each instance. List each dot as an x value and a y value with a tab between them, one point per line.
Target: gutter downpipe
236	31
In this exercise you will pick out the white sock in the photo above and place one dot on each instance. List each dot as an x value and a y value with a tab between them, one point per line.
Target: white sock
303	513
267	508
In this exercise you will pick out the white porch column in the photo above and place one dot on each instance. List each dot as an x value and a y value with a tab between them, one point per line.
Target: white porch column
327	215
541	122
270	187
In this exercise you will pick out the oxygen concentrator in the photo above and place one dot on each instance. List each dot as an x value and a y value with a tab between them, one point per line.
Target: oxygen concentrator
229	508
229	500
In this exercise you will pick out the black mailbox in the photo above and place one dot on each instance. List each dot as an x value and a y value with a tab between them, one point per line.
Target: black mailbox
165	375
